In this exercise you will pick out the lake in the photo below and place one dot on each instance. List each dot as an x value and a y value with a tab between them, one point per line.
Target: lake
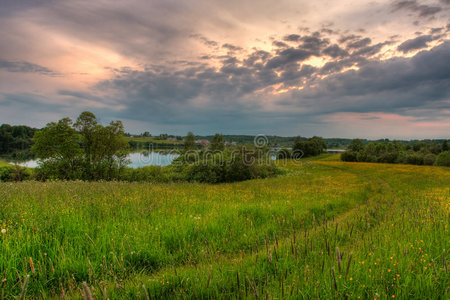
137	159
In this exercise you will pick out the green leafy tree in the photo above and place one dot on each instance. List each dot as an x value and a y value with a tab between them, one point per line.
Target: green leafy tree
189	142
94	152
217	143
108	150
443	159
57	145
356	145
445	146
312	147
86	125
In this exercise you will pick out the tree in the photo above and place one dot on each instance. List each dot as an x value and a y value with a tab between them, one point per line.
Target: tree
311	147
443	159
356	145
189	142
217	143
86	124
57	145
445	146
108	150
95	152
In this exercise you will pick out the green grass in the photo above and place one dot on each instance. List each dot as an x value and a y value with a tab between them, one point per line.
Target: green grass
276	238
3	163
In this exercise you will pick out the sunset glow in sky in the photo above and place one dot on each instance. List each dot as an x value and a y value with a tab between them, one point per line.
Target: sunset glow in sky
369	69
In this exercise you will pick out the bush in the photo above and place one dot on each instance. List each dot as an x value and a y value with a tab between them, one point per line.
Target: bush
443	159
284	154
226	166
349	156
429	159
415	158
14	173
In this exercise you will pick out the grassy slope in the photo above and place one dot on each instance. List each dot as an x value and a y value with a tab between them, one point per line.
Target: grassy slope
275	237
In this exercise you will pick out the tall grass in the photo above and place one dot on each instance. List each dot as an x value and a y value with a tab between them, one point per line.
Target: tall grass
324	229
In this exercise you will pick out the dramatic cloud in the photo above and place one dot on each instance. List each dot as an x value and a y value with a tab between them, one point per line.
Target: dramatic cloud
419	42
332	69
24	67
422	9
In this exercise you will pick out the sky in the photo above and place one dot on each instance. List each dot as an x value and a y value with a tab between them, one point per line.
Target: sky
370	69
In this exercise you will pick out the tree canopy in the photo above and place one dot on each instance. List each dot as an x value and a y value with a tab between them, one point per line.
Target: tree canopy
84	150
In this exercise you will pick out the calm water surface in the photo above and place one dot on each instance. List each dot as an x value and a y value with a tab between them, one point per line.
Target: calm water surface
137	159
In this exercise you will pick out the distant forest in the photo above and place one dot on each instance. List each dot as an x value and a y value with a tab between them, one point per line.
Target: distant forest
16	141
416	153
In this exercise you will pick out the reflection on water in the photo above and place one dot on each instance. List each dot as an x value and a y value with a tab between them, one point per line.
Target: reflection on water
137	160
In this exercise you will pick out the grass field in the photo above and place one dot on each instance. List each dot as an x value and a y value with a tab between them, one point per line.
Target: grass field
324	229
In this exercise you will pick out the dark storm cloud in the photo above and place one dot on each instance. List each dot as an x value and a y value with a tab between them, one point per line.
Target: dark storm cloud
419	42
386	86
423	10
314	43
349	37
335	51
25	67
288	56
292	38
337	66
279	44
371	50
360	43
292	74
393	85
202	63
436	30
231	47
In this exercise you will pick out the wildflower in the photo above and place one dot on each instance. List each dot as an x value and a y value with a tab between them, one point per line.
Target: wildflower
389	270
3	230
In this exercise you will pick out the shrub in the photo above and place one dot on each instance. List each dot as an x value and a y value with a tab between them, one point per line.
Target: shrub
349	156
443	159
284	154
14	173
226	166
415	158
429	159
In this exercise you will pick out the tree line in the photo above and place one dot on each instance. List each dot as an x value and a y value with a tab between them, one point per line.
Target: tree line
417	153
304	148
16	141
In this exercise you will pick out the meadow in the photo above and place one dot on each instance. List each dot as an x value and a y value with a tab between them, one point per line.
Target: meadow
324	229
